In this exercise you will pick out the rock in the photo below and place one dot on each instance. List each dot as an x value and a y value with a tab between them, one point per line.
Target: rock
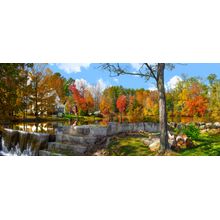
147	141
189	143
138	127
97	130
48	153
155	146
208	125
217	125
82	130
170	136
179	138
151	127
202	127
112	128
180	142
173	145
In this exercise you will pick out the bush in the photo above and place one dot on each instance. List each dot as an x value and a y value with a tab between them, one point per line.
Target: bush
192	131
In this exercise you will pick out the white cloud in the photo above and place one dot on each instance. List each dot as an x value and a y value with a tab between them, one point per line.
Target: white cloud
72	67
172	83
116	80
136	66
152	88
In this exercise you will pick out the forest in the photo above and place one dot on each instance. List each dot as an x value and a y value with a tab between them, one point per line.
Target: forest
33	90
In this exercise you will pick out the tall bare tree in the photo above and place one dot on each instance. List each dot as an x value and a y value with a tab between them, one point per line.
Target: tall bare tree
148	71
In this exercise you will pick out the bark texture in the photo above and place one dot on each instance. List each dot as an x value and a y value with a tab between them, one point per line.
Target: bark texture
164	145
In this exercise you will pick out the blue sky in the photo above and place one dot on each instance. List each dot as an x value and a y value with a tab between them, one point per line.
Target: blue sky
92	74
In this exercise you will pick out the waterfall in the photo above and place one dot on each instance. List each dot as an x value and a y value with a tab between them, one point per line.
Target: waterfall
21	143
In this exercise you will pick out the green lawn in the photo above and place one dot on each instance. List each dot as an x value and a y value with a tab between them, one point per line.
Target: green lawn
207	145
132	145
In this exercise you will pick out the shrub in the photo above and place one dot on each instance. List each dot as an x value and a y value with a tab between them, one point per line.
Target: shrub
192	131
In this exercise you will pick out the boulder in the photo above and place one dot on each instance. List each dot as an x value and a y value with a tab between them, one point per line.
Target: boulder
217	125
208	125
202	127
173	145
147	141
82	130
155	145
180	142
189	143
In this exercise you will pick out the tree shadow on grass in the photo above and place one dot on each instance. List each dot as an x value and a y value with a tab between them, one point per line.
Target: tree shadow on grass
206	145
131	145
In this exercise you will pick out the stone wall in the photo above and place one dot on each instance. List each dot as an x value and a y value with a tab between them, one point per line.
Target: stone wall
200	125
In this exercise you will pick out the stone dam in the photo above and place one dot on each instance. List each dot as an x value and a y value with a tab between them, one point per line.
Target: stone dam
77	140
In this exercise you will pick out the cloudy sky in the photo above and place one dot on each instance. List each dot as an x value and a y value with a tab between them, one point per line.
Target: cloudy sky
92	74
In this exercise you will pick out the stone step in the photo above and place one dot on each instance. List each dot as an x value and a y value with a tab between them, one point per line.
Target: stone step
71	139
76	149
48	153
85	130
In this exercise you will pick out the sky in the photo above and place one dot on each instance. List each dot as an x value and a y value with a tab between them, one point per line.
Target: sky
92	74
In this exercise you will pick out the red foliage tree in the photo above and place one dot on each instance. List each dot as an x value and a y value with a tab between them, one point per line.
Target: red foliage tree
121	104
78	98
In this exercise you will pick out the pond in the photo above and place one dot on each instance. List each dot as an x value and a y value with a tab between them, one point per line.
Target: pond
46	127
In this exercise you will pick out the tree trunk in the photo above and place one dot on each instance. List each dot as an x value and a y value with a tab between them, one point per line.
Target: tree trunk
164	145
36	99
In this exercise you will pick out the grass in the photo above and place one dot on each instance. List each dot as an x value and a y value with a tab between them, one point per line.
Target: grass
208	144
130	145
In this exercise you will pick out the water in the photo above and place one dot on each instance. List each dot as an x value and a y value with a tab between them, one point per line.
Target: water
22	143
46	127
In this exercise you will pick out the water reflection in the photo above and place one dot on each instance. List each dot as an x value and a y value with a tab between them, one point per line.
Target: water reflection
47	127
44	127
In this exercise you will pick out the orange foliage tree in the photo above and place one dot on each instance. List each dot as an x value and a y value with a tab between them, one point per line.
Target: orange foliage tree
196	102
105	106
121	104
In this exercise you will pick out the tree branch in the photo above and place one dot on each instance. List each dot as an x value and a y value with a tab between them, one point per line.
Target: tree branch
151	71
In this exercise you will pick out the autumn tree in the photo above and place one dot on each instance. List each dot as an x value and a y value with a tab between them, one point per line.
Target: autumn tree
105	106
89	101
147	71
12	77
192	98
121	105
82	98
214	97
42	98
